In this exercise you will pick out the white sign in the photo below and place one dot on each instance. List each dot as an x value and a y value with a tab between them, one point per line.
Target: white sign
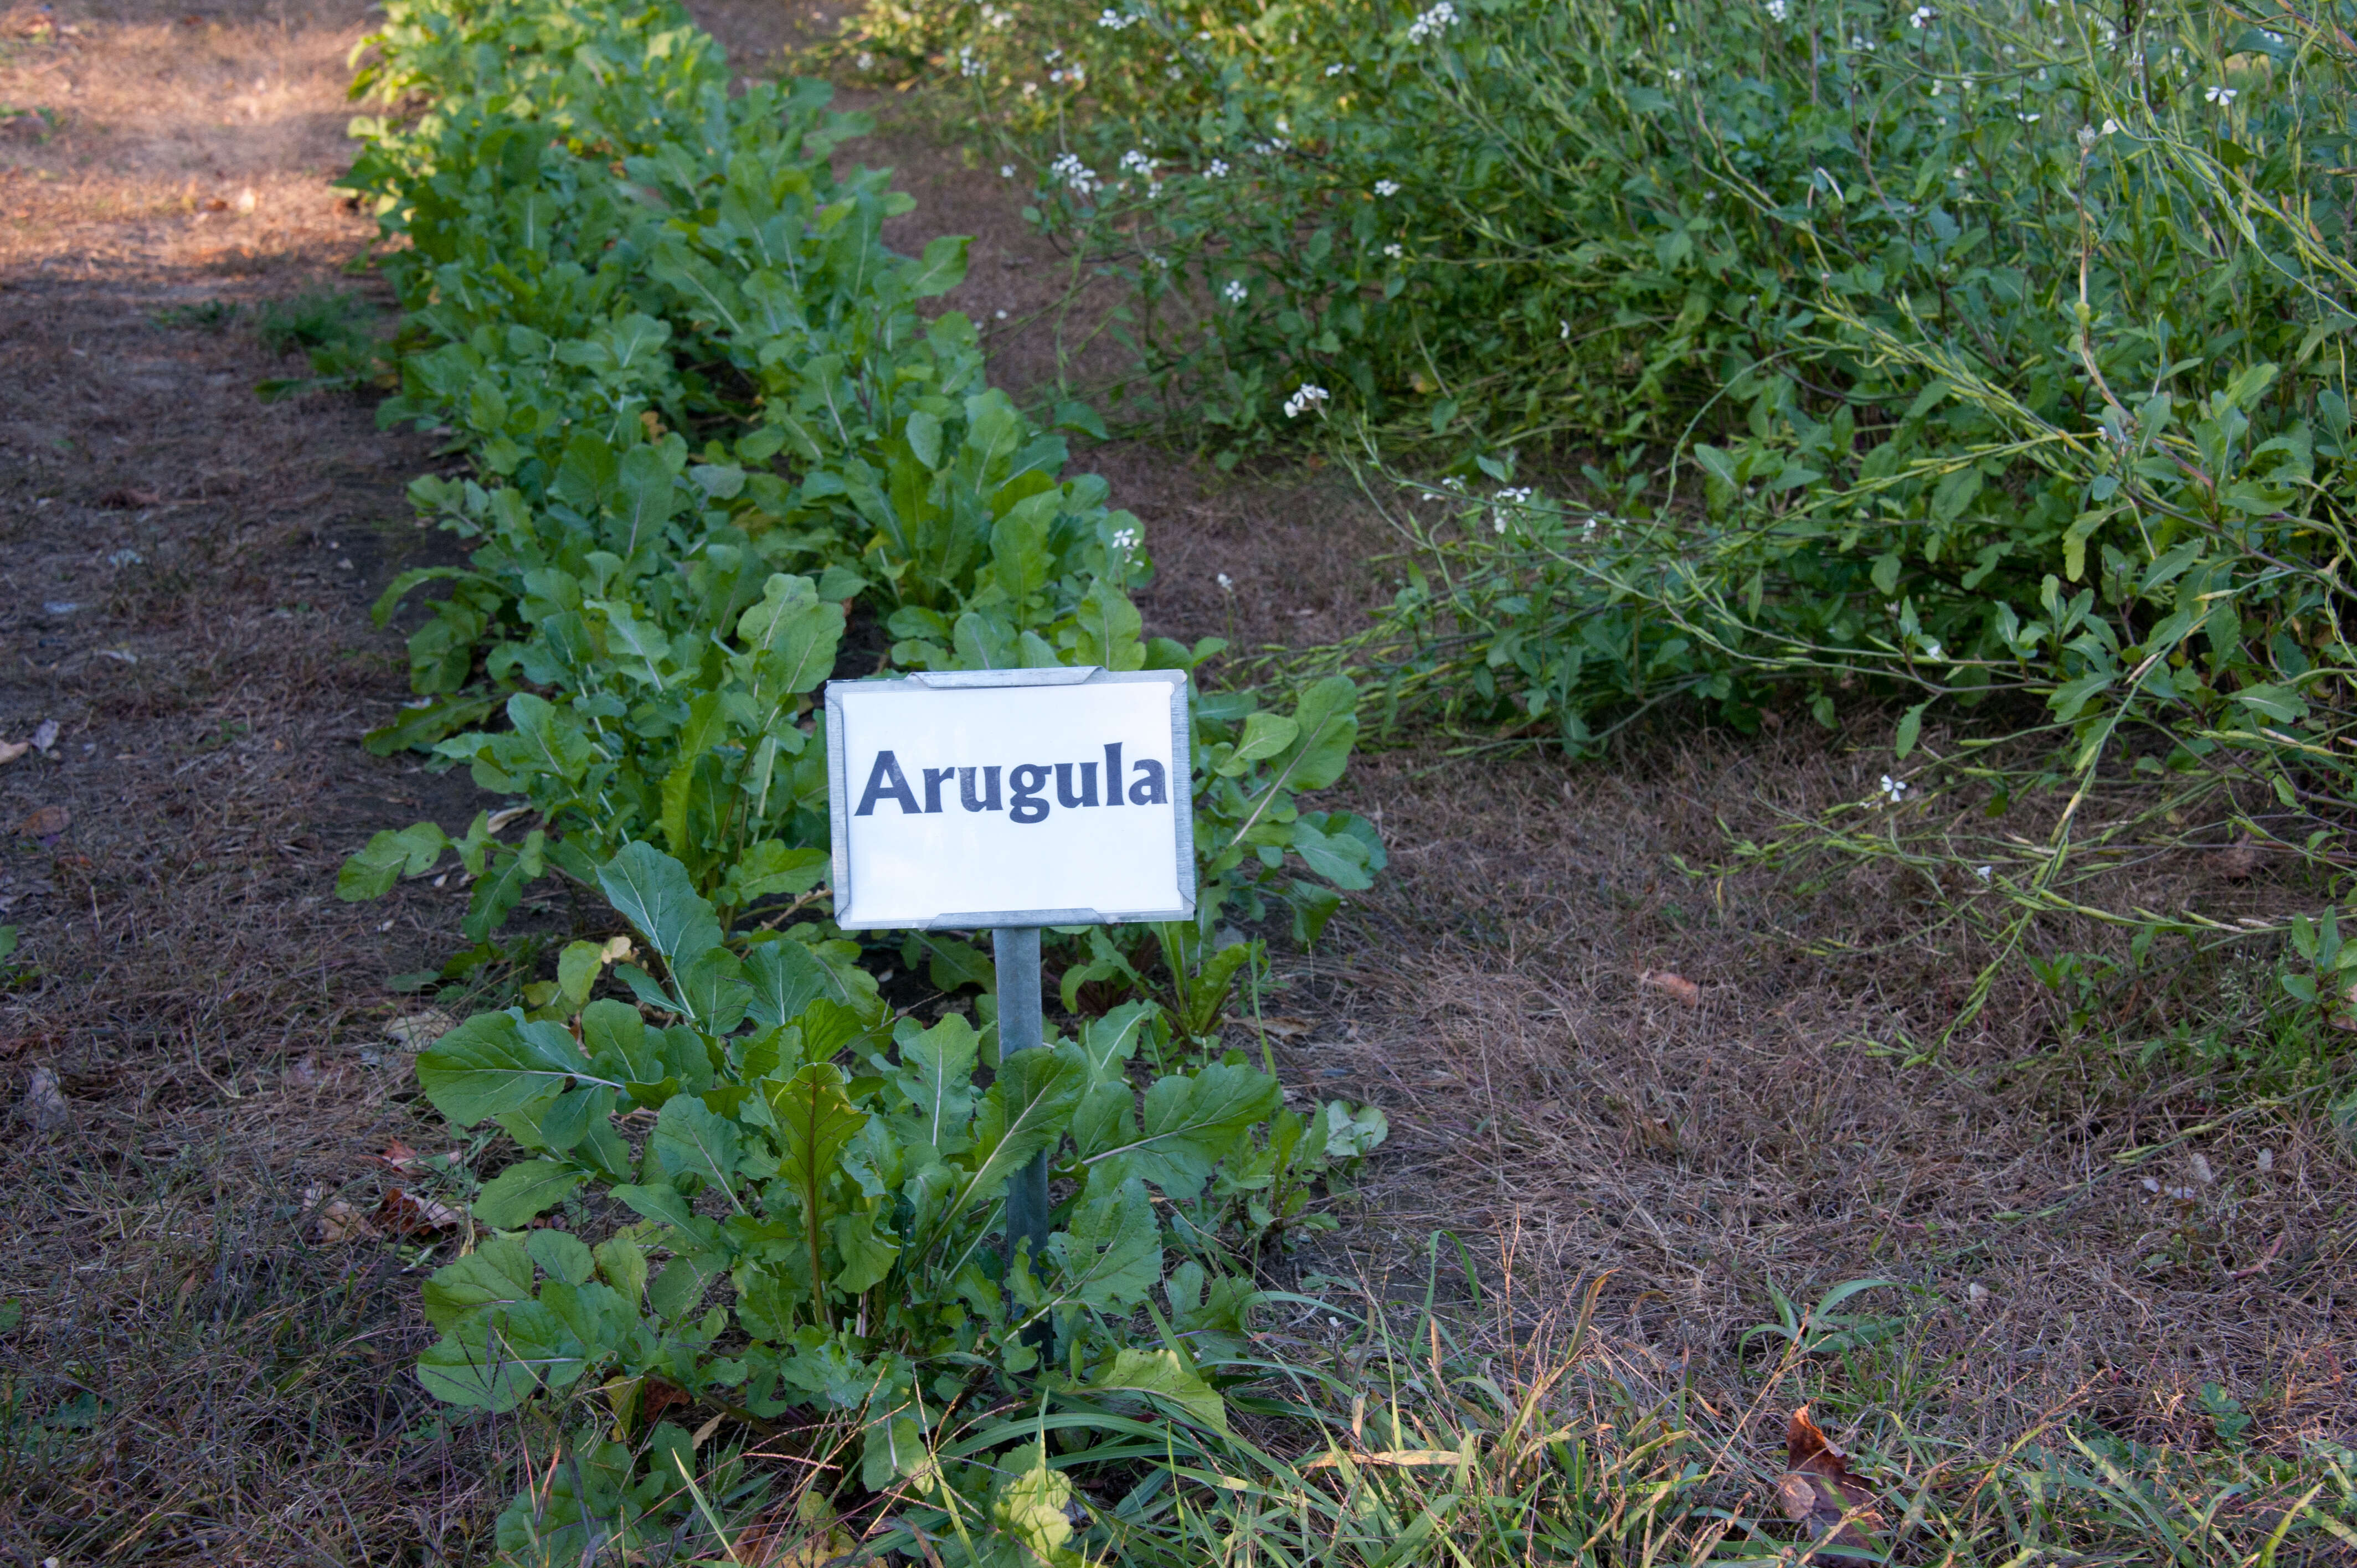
1010	798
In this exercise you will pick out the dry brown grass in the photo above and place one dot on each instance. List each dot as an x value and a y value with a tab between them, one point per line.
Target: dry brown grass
192	1378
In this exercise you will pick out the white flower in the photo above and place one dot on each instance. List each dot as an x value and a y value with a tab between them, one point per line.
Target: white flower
1778	10
1507	499
1124	539
1336	69
1227	583
1394	251
2025	119
1219	170
1960	172
867	61
1431	23
1235	293
967	64
1001	315
1921	17
1007	171
1894	789
2110	127
2220	96
1566	333
1302	401
1071	172
1676	75
1984	872
1387	187
1136	162
1113	21
2087	137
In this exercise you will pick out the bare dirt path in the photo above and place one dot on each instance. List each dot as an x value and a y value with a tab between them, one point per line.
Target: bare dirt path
184	640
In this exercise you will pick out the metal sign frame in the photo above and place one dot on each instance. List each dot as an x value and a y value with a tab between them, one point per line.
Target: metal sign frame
839	795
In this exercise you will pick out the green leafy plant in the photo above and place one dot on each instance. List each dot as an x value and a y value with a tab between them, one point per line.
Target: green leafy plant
758	1119
600	259
1821	1331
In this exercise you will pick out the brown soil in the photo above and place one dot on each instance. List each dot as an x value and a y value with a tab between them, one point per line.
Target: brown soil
187	574
203	1372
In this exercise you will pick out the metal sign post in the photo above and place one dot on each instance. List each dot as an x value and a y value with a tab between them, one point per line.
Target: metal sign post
1006	801
1016	950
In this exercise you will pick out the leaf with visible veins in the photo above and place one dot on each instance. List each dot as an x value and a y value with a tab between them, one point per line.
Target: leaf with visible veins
1818	1490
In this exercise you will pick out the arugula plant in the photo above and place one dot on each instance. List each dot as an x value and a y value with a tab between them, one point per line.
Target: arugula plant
605	251
801	1194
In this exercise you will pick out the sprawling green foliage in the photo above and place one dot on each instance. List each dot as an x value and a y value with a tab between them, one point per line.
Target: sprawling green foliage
707	424
841	1174
707	419
1988	359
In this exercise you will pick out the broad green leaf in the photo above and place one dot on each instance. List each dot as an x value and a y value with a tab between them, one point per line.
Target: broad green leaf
389	856
494	1062
497	1272
1191	1121
815	1120
2281	704
1160	1376
942	269
689	1139
664	1204
493	1359
525	1190
1329	724
937	1076
716	991
1106	628
1911	726
867	1256
561	1255
1030	1103
1265	735
653	892
1032	1510
1111	1257
773	867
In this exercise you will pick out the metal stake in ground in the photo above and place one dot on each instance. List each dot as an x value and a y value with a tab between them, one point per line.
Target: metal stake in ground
1016	950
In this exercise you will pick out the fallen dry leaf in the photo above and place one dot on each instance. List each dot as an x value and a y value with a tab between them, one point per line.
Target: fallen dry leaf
2238	861
126	499
212	204
1672	985
406	1215
10	750
399	1155
45	1102
415	1031
46	822
334	1222
1818	1490
1286	1028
